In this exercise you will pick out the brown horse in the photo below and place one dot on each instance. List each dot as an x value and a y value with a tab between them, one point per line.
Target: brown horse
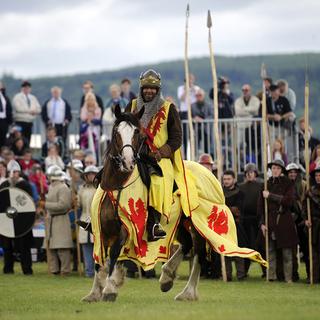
124	152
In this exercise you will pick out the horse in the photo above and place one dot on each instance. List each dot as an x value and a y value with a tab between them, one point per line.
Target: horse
127	150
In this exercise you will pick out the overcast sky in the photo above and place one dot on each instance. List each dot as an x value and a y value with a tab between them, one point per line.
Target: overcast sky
57	37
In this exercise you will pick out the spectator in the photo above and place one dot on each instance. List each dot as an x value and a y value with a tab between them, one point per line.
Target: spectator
85	196
278	151
108	116
183	107
90	124
313	142
314	195
234	200
206	160
225	99
278	109
90	160
21	245
39	179
315	158
18	148
251	188
7	154
294	174
126	92
56	112
25	109
27	162
267	82
246	106
3	171
15	133
59	236
86	88
79	155
53	158
5	114
201	110
281	226
52	139
287	92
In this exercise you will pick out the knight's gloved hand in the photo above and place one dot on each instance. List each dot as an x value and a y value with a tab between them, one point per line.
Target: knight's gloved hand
156	154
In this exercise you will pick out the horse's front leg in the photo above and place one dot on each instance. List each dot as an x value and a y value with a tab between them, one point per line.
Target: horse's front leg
99	282
117	273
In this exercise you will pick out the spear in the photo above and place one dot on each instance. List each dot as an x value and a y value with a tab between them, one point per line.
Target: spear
306	158
75	210
265	160
187	89
215	124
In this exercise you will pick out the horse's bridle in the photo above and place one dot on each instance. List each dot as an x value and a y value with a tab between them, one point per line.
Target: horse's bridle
119	159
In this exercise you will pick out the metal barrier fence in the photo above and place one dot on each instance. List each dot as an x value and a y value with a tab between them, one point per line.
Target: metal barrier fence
241	139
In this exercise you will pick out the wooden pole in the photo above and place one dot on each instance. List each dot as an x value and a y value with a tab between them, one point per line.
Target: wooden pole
75	210
46	222
216	124
265	160
187	88
307	161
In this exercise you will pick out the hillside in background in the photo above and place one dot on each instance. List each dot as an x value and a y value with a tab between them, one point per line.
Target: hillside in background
240	70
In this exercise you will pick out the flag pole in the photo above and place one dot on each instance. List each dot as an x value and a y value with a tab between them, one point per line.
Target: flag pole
265	161
307	161
216	124
75	210
187	88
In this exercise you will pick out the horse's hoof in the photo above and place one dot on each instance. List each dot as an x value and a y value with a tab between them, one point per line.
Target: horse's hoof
111	297
165	287
186	296
90	298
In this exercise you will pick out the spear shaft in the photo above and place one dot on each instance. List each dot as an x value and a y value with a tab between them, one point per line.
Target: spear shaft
216	124
187	87
265	161
307	160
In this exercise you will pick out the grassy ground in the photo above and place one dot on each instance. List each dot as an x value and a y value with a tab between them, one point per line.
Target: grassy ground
49	297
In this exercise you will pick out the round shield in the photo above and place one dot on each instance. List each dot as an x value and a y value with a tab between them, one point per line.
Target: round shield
17	212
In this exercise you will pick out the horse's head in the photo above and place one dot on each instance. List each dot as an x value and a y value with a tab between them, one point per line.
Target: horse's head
126	139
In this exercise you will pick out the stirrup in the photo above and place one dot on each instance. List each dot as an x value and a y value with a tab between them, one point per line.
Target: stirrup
158	237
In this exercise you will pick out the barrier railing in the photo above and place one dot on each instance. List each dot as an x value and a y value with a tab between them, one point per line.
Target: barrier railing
241	139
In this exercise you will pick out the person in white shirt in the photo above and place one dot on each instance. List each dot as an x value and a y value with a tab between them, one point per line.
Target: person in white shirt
56	112
287	92
25	109
246	106
183	107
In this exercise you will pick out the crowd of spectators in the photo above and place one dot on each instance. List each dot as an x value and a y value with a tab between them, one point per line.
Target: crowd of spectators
246	200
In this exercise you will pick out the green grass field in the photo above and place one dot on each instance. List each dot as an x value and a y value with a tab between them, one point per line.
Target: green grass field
49	297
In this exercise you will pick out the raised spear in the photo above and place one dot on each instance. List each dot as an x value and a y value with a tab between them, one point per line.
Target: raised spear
187	88
265	160
75	210
307	160
216	117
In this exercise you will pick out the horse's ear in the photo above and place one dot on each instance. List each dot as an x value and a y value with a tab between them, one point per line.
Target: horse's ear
140	113
117	111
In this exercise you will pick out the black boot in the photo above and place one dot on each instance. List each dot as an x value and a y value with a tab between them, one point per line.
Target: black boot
154	228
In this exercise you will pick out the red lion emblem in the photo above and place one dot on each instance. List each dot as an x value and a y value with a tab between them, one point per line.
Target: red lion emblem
218	221
138	217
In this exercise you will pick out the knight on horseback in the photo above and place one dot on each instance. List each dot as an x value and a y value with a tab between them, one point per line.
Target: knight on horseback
162	127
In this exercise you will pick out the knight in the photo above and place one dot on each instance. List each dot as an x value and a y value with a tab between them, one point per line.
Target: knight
162	127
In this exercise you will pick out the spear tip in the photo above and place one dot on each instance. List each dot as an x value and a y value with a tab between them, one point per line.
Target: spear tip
263	71
209	20
188	10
